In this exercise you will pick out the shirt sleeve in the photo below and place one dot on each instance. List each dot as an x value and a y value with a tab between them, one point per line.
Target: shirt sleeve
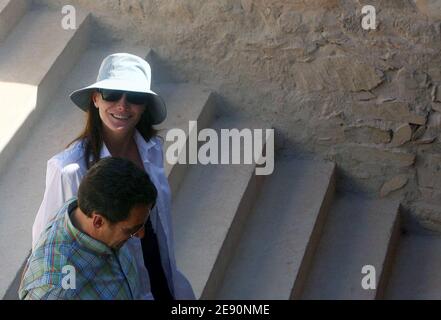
48	292
61	185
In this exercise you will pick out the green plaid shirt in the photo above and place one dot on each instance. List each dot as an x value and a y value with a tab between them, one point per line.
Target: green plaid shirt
100	272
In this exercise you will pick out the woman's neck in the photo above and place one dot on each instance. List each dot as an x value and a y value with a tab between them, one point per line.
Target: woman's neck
119	145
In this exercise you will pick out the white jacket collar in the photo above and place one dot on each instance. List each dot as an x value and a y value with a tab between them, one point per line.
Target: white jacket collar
143	147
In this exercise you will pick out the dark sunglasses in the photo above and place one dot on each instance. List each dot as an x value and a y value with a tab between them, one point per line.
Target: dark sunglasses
131	97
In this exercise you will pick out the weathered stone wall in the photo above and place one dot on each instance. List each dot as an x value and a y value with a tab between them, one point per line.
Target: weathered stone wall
369	100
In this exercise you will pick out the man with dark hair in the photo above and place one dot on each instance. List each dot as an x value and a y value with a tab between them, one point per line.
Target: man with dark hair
81	254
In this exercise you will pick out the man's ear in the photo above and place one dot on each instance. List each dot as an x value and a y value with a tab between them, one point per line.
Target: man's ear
98	220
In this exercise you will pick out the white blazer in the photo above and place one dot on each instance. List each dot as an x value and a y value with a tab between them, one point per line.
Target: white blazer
63	176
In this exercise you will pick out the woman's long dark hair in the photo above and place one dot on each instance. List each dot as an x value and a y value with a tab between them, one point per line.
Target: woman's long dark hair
92	134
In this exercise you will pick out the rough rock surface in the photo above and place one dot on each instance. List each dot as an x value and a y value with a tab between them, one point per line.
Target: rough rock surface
394	184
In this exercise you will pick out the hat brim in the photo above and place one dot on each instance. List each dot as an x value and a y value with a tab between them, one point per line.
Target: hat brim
157	109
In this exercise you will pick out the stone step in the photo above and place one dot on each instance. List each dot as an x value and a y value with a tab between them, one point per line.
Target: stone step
274	252
185	102
22	184
11	11
34	60
416	269
208	213
164	73
359	231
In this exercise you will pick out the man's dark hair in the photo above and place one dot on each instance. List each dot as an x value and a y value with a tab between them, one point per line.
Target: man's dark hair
112	187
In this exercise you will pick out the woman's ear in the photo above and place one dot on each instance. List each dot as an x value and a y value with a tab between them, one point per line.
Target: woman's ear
95	98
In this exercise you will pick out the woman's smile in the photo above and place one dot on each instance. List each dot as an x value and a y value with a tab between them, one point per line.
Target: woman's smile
120	119
120	116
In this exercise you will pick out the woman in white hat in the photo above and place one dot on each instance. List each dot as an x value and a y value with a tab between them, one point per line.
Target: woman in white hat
121	110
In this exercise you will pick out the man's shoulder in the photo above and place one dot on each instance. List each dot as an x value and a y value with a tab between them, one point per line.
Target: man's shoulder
55	232
49	262
42	274
55	247
51	255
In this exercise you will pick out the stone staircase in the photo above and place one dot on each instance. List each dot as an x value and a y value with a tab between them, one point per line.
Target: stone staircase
419	260
34	59
288	235
278	241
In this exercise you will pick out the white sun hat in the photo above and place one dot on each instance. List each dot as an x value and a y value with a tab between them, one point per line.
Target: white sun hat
126	72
